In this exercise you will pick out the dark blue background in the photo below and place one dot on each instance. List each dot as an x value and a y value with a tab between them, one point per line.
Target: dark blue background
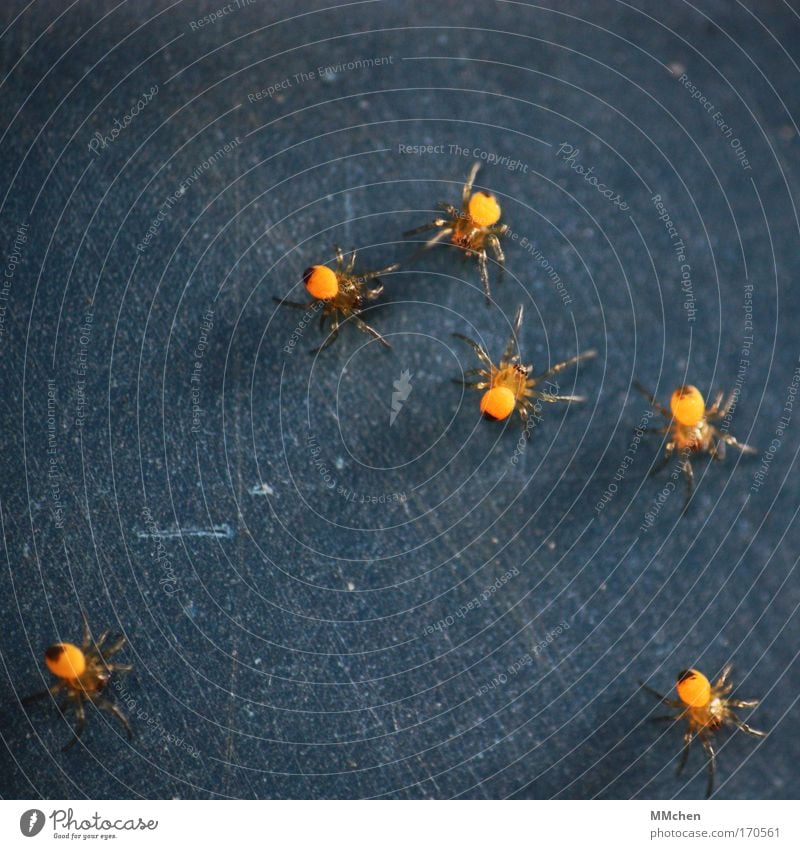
298	655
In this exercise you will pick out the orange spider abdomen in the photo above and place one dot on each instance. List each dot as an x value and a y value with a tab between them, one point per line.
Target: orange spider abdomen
498	402
321	282
484	209
65	660
688	405
694	689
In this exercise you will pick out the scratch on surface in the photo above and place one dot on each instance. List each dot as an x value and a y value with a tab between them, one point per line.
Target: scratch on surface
224	531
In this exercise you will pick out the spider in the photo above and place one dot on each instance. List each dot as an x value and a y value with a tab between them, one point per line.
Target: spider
706	709
473	228
691	431
508	385
83	674
342	293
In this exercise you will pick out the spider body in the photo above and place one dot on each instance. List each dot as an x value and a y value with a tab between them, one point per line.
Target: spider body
473	228
691	430
342	293
705	708
509	385
83	674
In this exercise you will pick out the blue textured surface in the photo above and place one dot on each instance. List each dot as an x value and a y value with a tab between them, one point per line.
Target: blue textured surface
302	637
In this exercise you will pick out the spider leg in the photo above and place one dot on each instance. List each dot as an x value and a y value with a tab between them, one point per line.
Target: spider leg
35	697
98	643
689	472
667	717
351	263
87	631
449	209
467	190
105	704
718	451
713	410
663	699
723	676
372	332
546	396
339	257
483	270
743	726
482	355
500	257
296	304
585	355
661	430
371	275
482	384
744	703
497	250
726	407
374	292
431	225
331	337
80	724
731	440
513	340
687	742
651	398
712	765
659	466
114	647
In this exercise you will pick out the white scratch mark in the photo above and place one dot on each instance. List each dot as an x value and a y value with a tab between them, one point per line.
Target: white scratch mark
217	531
261	489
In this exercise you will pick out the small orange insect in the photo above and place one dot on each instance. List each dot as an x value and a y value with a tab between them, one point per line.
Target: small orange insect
690	428
508	385
342	293
473	228
705	708
83	674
